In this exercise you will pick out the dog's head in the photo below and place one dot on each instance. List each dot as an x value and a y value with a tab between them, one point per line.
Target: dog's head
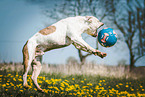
93	24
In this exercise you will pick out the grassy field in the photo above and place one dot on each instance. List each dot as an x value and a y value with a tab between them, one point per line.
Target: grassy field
61	85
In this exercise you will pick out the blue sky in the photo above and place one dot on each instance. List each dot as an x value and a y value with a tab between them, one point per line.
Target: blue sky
20	20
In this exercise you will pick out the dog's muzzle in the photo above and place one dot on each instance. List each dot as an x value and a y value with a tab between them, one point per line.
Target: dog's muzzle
95	34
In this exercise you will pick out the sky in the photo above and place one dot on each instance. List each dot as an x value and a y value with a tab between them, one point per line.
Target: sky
20	20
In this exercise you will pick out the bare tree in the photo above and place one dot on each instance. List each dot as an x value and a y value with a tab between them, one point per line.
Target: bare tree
128	16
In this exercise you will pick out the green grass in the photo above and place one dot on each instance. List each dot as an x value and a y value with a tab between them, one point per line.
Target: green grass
59	85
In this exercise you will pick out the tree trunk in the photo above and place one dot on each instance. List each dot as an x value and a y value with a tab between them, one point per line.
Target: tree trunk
132	61
82	58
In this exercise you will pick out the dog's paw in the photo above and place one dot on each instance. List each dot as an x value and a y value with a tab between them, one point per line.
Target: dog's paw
100	54
26	86
40	90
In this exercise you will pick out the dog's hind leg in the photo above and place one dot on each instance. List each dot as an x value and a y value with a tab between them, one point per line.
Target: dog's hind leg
28	55
36	65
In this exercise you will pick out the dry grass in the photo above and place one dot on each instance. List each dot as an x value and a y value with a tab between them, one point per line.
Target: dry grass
87	69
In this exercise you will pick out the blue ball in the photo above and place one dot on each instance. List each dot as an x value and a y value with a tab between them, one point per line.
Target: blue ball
107	37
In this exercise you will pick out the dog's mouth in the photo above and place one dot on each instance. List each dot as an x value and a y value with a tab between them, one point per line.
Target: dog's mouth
95	33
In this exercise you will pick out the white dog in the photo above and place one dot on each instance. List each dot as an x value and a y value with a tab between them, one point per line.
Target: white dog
60	34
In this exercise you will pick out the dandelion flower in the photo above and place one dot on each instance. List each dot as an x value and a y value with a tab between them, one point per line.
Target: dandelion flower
6	89
126	86
1	75
21	90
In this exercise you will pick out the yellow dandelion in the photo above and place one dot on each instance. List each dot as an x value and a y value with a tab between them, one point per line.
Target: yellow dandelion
120	84
21	90
126	86
30	87
45	90
61	88
89	84
35	89
82	81
7	84
14	79
20	79
132	89
78	92
141	86
117	86
91	90
47	81
84	87
1	75
39	81
4	85
12	84
62	92
73	78
52	91
100	84
90	95
97	87
50	87
56	88
66	80
76	85
20	84
140	95
6	89
16	75
142	89
59	79
74	94
43	78
131	95
65	83
54	83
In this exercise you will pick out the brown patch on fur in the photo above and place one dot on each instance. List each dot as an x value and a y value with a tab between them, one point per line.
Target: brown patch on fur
47	30
25	56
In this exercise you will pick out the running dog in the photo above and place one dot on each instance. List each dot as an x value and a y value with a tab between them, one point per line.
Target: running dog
60	34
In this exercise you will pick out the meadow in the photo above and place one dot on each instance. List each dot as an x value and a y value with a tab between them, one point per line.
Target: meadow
71	85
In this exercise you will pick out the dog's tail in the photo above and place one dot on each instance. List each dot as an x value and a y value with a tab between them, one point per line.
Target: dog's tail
25	55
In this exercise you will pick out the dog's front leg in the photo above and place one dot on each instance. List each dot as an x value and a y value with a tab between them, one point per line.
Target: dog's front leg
79	43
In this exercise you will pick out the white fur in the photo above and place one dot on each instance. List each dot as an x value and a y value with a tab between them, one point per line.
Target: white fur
68	31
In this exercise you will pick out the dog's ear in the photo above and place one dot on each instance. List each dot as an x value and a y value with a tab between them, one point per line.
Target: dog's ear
89	19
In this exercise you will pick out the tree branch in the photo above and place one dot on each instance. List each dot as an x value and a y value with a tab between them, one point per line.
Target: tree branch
138	58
